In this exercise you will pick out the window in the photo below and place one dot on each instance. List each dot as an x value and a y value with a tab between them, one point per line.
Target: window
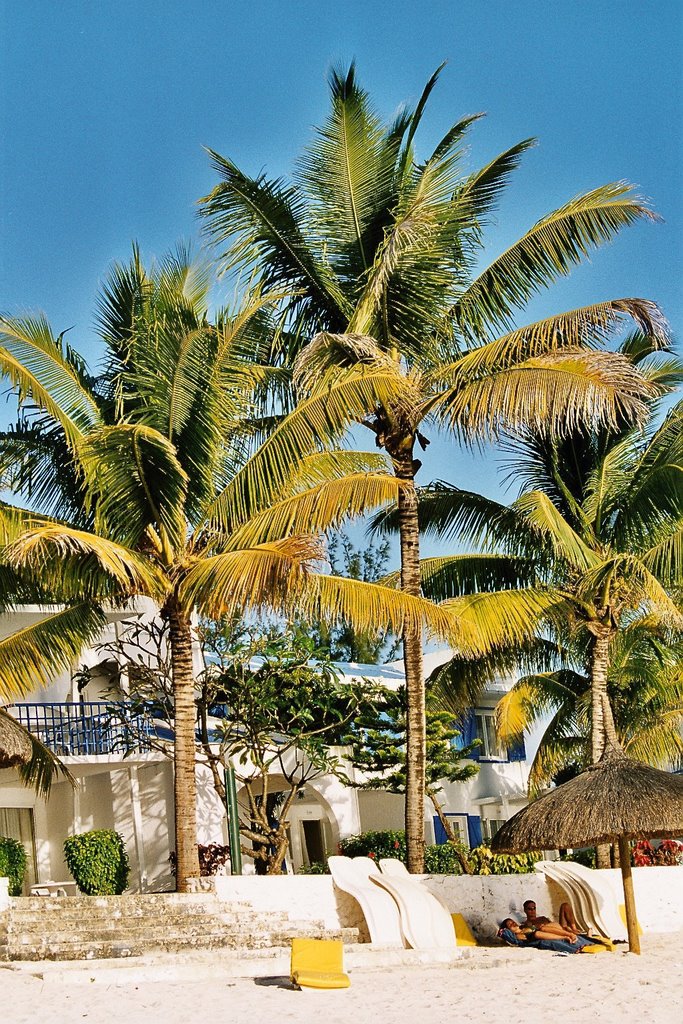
491	746
489	827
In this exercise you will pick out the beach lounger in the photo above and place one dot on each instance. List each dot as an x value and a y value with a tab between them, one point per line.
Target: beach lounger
352	875
318	963
425	922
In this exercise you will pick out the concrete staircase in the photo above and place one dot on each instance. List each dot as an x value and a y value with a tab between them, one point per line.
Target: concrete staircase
98	927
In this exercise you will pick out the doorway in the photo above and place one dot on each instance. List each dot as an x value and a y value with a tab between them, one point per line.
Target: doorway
17	823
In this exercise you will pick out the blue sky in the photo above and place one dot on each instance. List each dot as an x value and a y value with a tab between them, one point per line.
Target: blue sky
105	108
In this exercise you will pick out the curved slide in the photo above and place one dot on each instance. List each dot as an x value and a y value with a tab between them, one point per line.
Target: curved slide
425	922
353	876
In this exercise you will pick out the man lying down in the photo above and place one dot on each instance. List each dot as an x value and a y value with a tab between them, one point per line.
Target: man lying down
537	932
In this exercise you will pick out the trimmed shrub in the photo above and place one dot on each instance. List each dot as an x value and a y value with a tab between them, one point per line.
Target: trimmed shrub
316	867
12	864
98	862
442	859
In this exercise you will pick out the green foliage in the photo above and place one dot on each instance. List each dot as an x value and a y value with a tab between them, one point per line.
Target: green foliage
586	857
440	859
378	745
12	863
484	862
342	642
278	708
382	843
444	858
316	867
98	862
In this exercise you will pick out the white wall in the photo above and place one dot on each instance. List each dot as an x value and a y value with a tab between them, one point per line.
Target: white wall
483	900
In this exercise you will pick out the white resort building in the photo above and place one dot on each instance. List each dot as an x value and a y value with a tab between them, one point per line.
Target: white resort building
127	786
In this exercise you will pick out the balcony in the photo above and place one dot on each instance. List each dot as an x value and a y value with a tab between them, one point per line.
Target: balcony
92	728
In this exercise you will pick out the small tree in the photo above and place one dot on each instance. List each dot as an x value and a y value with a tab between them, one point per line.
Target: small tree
283	713
378	749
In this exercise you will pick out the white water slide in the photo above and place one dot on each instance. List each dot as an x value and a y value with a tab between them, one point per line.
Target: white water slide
425	922
591	896
353	876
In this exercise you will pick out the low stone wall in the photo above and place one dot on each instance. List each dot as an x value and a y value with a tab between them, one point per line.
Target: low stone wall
303	897
483	900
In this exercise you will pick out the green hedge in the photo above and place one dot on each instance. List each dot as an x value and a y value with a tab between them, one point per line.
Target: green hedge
12	864
98	862
440	859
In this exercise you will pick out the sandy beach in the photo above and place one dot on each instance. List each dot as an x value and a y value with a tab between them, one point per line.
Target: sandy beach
494	984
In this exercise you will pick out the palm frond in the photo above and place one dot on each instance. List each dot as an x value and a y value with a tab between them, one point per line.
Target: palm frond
135	484
564	392
549	250
492	619
31	656
317	509
79	564
38	365
451	576
545	518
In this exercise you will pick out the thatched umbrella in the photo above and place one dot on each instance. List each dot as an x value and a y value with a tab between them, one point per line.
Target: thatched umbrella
16	748
617	799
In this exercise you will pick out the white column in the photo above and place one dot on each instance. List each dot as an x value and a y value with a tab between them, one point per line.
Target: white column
138	831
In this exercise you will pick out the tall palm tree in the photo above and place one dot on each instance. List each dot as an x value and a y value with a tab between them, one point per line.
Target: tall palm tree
379	255
598	527
170	475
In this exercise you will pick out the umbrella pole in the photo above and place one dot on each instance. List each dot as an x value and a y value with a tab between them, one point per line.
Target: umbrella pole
629	898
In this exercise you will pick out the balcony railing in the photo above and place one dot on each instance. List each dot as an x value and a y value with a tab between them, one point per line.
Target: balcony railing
71	729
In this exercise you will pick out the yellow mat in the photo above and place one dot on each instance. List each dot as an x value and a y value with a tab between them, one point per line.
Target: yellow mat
622	915
318	963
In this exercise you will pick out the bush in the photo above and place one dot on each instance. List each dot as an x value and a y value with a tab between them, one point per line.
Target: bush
98	862
316	867
442	859
484	862
585	856
12	864
668	854
211	859
385	843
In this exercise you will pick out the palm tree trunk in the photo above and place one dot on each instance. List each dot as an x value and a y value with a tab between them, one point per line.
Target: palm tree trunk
184	754
416	738
599	670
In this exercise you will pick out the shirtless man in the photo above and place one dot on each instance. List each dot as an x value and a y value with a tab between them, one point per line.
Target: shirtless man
567	919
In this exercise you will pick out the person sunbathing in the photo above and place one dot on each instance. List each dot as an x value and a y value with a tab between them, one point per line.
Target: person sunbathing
533	920
551	936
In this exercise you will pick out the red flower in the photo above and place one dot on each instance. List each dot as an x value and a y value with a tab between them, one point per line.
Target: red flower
371	855
396	844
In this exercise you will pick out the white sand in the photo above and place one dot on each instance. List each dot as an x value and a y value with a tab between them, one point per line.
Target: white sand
496	985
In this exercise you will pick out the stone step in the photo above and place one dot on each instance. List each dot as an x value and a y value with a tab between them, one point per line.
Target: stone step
129	932
146	900
80	949
169	918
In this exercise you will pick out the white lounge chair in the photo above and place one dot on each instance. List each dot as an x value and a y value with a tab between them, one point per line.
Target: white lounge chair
425	922
352	875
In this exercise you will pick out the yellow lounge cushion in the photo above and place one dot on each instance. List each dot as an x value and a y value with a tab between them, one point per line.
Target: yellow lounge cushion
597	947
318	963
463	932
321	979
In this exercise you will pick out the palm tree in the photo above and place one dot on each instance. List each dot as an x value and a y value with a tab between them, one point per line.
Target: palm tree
598	528
171	475
378	253
645	690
